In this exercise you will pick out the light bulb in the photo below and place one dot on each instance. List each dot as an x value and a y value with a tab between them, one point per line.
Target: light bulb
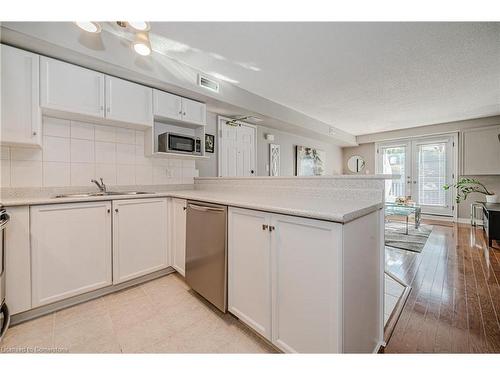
142	44
90	27
139	25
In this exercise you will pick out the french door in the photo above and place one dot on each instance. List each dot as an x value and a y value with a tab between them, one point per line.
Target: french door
424	165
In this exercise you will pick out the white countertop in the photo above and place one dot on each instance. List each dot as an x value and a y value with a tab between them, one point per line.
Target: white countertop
341	211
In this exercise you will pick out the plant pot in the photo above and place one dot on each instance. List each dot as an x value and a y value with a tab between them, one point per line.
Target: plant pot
492	198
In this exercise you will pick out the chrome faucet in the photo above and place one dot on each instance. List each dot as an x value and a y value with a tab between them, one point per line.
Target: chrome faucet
101	186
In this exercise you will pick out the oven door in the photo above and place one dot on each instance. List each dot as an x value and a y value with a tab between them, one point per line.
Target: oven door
181	143
4	311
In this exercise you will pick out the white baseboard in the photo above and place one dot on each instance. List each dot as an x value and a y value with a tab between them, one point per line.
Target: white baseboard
464	220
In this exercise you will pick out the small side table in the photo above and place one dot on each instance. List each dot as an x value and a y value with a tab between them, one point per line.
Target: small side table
475	207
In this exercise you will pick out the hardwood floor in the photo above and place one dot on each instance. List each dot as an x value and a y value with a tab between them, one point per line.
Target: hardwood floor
454	304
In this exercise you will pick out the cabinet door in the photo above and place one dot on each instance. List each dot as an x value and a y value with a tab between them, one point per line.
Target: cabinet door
249	274
139	237
178	235
70	88
21	116
481	151
18	260
70	249
193	112
306	285
167	106
128	102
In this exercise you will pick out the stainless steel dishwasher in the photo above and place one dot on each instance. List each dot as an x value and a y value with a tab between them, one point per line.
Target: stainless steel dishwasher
206	251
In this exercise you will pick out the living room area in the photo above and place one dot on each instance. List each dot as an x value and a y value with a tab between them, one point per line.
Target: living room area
442	238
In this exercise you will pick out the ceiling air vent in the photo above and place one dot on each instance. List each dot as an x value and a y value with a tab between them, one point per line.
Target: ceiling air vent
208	83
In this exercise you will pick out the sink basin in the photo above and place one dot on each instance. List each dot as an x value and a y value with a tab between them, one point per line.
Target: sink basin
100	194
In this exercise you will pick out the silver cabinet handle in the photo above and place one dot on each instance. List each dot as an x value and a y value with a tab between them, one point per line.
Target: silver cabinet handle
116	210
271	228
265	226
34	133
205	208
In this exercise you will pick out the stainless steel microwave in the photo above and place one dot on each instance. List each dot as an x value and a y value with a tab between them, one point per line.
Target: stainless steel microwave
179	143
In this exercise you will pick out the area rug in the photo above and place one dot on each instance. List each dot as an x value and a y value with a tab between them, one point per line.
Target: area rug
395	236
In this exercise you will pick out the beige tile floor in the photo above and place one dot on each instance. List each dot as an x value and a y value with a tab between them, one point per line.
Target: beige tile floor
160	316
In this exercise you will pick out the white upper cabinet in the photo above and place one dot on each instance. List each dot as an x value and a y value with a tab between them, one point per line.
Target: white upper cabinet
21	116
128	102
139	237
167	106
193	112
481	151
172	107
70	88
70	250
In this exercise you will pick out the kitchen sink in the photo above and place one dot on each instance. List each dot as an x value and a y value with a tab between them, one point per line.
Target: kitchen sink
101	194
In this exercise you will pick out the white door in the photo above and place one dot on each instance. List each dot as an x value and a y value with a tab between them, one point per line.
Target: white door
167	106
425	165
194	112
70	250
306	285
395	158
249	273
237	149
139	237
178	234
128	102
21	117
70	88
432	169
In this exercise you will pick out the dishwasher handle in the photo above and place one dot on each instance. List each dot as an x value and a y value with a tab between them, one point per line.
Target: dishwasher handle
205	208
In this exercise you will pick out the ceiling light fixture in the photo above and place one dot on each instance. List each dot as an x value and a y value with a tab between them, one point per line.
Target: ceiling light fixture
139	25
90	27
141	44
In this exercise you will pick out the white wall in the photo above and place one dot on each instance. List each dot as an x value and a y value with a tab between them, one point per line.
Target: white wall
74	152
287	141
367	150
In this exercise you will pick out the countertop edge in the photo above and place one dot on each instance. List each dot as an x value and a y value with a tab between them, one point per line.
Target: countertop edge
338	218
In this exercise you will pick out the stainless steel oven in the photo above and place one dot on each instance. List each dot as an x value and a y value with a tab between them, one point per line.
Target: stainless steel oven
4	311
179	143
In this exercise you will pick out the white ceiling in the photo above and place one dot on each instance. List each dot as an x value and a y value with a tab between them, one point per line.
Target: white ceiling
359	77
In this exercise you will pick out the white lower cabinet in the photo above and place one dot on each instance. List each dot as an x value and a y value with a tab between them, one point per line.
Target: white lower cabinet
139	237
18	260
306	291
178	234
249	273
70	250
286	281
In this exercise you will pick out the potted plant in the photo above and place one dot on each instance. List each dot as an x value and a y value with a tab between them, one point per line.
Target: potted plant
466	185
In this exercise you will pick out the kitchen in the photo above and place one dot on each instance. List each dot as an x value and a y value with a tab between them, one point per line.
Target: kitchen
72	238
248	188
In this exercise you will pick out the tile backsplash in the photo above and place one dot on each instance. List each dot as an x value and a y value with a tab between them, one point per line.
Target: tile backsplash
75	152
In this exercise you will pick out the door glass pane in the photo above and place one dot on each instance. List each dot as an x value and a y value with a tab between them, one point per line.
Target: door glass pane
393	162
432	174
